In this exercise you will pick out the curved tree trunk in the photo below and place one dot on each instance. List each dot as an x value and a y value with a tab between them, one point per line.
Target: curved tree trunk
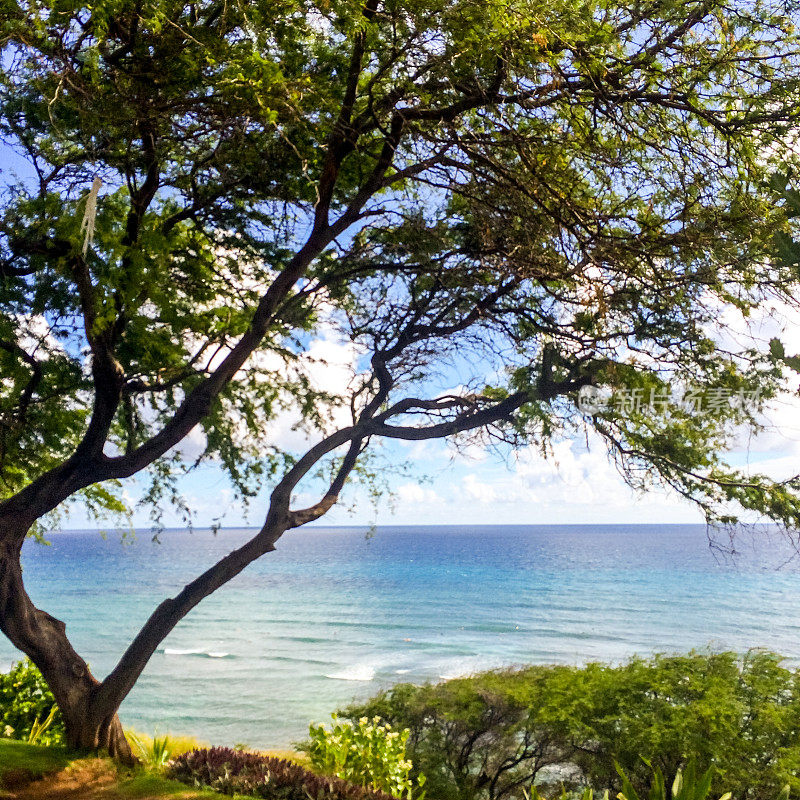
90	723
88	706
87	726
88	730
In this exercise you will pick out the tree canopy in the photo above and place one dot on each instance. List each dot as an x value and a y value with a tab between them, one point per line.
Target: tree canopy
489	735
497	204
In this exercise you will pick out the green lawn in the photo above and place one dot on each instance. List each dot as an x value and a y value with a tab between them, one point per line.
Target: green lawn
37	761
141	784
22	760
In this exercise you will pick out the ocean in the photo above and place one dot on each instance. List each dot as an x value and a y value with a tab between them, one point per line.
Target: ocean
338	613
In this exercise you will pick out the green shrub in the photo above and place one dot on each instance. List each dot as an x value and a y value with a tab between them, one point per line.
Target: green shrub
586	794
234	772
363	752
487	736
26	705
155	752
688	785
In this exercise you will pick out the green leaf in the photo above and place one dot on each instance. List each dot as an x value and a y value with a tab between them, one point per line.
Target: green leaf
776	348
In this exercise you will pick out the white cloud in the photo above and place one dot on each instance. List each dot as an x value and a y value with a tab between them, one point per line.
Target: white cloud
570	476
782	431
413	493
330	364
471	452
481	491
781	416
193	445
779	469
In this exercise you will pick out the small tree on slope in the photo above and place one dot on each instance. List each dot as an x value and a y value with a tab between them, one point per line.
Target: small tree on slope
536	197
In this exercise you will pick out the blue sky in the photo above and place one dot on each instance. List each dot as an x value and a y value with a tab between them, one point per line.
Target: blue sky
445	485
442	484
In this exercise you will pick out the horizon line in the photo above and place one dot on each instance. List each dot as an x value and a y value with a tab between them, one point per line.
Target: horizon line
421	525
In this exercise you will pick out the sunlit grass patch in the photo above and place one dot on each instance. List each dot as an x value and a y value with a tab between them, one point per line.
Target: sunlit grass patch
156	751
30	758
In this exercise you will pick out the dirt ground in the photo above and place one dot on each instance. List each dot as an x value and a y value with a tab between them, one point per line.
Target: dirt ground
87	779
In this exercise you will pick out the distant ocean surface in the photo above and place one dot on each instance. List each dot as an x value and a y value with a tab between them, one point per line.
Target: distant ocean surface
334	615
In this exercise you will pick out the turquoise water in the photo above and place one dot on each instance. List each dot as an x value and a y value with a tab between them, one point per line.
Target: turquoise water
334	615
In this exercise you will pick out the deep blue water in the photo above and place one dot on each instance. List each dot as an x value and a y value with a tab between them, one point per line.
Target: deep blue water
334	615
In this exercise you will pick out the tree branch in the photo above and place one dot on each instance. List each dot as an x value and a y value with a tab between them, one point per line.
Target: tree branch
30	387
121	680
331	497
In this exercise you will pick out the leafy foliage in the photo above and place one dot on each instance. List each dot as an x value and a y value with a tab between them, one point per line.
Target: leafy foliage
364	752
40	727
587	794
541	179
489	735
235	772
688	785
521	199
157	751
26	705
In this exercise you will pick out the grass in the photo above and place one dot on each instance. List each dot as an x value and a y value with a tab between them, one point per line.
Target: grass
59	771
31	759
142	784
155	751
289	755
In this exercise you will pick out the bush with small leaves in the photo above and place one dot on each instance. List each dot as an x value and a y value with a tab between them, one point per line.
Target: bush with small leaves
688	785
28	710
364	752
586	794
155	752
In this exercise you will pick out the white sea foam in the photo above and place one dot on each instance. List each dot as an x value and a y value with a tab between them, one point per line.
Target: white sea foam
463	667
355	672
202	652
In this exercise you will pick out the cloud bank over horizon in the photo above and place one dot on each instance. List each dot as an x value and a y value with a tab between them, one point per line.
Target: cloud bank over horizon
444	484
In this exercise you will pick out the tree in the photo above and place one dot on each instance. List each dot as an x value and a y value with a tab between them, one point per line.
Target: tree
540	197
487	736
